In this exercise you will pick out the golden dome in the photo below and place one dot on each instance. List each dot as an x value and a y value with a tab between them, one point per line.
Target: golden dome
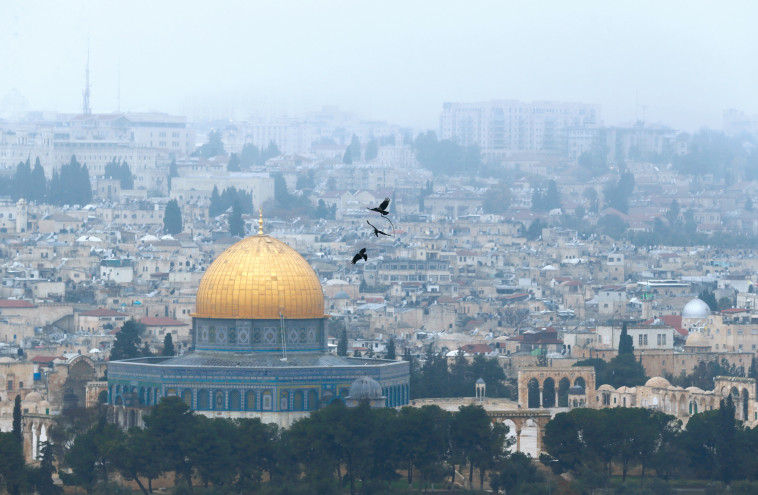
260	278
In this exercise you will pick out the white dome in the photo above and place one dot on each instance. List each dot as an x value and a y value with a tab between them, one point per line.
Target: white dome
696	309
658	382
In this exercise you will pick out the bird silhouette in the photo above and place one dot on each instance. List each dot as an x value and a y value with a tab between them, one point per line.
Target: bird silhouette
377	231
382	208
360	254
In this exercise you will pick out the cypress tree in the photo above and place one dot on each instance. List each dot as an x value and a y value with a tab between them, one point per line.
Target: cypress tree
391	350
236	224
17	433
626	342
168	345
342	344
216	207
172	218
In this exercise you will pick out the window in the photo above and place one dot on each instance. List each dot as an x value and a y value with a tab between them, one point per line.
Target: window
639	340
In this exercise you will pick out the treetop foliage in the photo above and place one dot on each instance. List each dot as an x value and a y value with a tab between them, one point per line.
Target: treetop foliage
446	157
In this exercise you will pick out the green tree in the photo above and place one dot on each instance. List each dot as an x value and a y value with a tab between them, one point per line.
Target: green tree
472	436
613	226
391	350
255	451
233	165
497	199
518	470
136	456
626	342
17	432
214	146
709	298
271	151
725	303
42	477
534	231
92	456
172	424
128	341
168	345
372	150
172	218
71	186
11	463
617	195
249	156
173	171
590	194
236	223
38	183
347	157
342	344
216	207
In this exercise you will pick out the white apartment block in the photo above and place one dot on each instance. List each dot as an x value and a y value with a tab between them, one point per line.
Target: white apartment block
502	127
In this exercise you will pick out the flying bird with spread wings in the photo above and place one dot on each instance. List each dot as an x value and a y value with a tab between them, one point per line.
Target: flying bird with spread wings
382	208
360	254
377	231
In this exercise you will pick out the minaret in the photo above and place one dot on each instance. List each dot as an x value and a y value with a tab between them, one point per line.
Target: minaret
86	110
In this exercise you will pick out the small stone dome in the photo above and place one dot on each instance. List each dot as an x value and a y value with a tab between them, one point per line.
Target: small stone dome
480	381
696	309
365	388
341	295
605	386
658	382
694	389
33	397
697	339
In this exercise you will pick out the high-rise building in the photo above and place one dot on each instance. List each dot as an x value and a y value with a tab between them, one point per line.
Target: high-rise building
503	127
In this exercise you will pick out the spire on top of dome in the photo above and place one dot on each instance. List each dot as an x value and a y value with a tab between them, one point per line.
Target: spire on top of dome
260	221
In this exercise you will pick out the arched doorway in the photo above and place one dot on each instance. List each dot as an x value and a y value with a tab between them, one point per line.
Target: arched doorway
528	438
511	437
745	402
563	392
548	393
534	393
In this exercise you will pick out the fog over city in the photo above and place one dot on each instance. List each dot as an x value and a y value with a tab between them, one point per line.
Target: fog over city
676	63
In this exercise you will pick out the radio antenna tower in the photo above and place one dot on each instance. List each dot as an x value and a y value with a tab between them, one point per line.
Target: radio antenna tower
86	110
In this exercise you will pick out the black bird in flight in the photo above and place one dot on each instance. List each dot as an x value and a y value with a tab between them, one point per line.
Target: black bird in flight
377	231
382	208
360	254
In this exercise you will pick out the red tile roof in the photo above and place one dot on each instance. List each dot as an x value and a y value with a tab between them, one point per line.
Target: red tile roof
45	359
14	303
672	321
160	321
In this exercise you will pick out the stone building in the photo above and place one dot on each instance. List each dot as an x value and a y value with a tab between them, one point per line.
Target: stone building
260	347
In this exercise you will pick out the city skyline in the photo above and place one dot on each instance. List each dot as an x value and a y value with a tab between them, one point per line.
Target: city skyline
399	63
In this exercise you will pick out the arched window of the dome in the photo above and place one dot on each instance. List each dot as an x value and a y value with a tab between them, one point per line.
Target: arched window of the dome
250	403
267	400
187	396
312	400
284	400
235	400
298	401
203	400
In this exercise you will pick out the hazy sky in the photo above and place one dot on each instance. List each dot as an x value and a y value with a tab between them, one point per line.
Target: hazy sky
686	61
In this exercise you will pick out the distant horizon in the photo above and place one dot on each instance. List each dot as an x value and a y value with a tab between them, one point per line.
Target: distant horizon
242	114
680	65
